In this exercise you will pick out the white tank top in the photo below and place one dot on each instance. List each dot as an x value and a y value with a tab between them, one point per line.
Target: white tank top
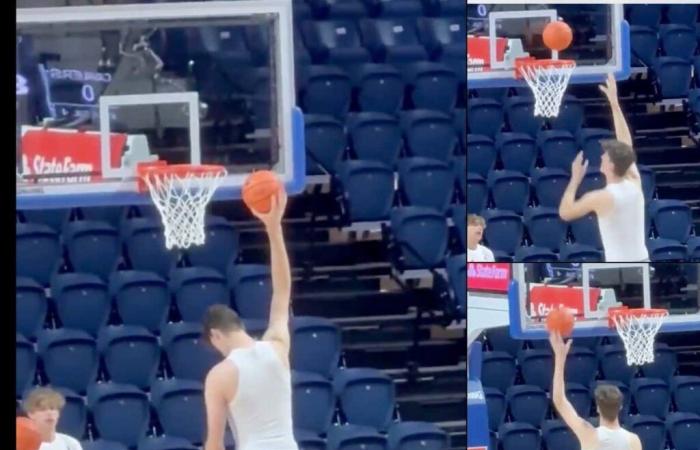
609	439
622	229
260	415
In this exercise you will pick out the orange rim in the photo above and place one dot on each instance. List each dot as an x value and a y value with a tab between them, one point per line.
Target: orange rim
530	61
638	312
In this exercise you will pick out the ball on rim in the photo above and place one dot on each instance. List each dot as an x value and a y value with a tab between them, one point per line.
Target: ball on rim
557	36
27	433
561	321
258	190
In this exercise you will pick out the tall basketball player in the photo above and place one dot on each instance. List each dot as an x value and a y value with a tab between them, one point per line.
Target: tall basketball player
251	387
619	206
609	435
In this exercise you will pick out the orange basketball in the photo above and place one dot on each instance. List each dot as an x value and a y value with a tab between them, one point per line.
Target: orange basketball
28	437
258	190
557	36
560	320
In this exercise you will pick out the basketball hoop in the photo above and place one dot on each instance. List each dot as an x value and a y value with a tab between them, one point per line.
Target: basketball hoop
638	329
548	79
181	193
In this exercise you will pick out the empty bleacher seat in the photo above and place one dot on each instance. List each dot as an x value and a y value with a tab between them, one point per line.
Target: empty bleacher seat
545	227
534	254
651	431
93	247
392	40
220	247
406	435
519	436
325	90
325	140
496	406
145	246
579	397
375	137
251	285
82	301
678	40
558	148
520	111
120	412
556	434
313	401
537	367
580	252
315	345
485	116
130	353
73	418
664	365
334	42
685	14
585	231
518	151
197	288
666	250
25	365
38	252
588	140
683	429
673	76
549	185
582	366
672	219
477	193
348	436
31	306
70	358
510	190
433	86
380	88
647	14
429	134
498	370
645	43
571	114
613	363
481	154
686	393
141	298
499	340
528	404
180	408
504	230
366	397
421	236
188	355
651	396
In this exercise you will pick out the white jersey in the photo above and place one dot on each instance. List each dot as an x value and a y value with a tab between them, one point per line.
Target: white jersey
481	254
62	442
622	229
260	415
613	439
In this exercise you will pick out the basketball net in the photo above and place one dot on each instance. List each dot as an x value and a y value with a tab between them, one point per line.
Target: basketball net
548	80
638	329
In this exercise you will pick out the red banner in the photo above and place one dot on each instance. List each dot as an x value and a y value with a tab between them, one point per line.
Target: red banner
46	152
545	298
478	50
492	277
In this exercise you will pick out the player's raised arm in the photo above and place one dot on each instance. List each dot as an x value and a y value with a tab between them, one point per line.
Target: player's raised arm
583	430
598	201
622	130
278	328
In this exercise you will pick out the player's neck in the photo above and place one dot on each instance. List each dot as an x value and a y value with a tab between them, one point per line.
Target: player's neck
472	245
607	424
614	179
239	339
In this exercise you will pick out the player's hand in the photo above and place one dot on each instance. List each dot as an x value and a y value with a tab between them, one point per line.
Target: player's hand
610	88
274	217
578	168
559	347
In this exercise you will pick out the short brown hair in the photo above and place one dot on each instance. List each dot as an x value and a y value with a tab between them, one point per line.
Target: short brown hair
222	318
621	155
43	398
476	220
608	397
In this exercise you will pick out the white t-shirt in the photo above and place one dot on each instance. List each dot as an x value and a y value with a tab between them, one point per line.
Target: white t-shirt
62	442
481	254
622	229
613	439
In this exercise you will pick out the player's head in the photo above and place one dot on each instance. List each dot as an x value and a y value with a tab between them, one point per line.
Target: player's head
608	400
43	405
475	229
617	158
218	324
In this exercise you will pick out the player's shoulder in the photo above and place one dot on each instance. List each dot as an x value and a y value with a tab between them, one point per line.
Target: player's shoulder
221	372
634	440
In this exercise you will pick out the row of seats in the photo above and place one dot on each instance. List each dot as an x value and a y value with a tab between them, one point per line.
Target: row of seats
677	40
342	9
653	14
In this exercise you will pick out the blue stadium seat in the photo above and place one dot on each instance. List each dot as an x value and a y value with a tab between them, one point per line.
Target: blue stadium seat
645	43
496	406
380	88
101	444
326	90
401	8
367	397
477	193
485	116
180	408
334	42
613	363
448	8
252	290
306	440
510	190
393	41
347	9
518	151
325	139
651	431
316	344
545	227
25	365
672	219
648	15
571	113
558	148
433	86
410	435
220	248
498	370
430	134
528	404
585	231
665	363
661	250
549	186
197	288
648	181
145	246
421	235
580	398
38	252
459	217
627	397
457	273
588	140
120	412
683	429
55	219
164	443
131	354
141	298
70	358
73	417
686	393
520	111
519	436
500	340
673	76
368	190
685	14
581	366
504	230
347	437
651	396
31	306
534	254
375	137
580	252
82	301
694	248
93	247
189	357
678	40
313	402
445	40
556	434
481	154
537	367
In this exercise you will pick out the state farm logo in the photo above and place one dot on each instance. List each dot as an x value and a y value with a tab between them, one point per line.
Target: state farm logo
41	165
